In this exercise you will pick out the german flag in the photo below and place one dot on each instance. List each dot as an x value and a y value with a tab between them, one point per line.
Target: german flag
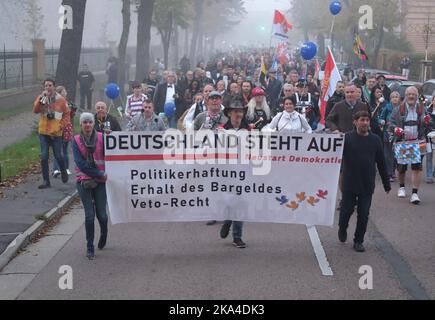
359	49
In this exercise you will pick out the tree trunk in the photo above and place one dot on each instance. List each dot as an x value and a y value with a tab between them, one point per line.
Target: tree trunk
70	49
379	44
122	49
166	39
199	8
186	42
176	46
145	14
321	44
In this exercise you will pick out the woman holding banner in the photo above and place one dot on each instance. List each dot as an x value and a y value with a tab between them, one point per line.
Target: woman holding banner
289	121
88	150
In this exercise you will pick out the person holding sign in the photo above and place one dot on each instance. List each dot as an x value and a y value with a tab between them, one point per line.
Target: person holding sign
289	121
236	113
147	120
362	152
407	125
88	150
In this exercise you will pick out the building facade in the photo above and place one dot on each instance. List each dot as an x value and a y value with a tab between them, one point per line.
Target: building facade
418	15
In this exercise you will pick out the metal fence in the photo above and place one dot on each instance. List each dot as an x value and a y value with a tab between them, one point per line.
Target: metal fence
17	67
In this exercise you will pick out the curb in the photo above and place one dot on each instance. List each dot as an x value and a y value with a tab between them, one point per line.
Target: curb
23	239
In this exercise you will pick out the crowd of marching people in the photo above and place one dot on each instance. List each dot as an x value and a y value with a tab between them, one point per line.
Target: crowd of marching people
237	91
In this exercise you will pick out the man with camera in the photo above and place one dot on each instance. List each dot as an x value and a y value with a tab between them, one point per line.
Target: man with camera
54	117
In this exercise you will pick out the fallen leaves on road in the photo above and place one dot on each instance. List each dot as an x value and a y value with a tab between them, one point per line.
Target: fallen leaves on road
15	181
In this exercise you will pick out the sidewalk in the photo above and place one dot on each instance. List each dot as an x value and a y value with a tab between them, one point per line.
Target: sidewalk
21	204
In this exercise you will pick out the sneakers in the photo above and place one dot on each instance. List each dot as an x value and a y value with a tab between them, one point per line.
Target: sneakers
45	185
56	174
90	254
238	243
102	241
359	247
65	176
429	180
69	172
225	230
211	223
415	199
401	193
342	235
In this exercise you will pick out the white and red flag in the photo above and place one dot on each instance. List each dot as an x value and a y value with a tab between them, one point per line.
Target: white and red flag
280	26
331	77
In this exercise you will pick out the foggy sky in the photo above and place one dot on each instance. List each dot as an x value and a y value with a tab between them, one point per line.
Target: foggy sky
254	29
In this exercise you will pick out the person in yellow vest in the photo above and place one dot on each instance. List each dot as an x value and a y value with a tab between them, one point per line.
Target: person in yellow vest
54	118
88	151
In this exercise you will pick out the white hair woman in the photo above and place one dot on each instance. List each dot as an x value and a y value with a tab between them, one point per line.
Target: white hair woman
258	109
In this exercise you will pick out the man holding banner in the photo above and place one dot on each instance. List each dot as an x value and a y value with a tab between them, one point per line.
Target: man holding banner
407	125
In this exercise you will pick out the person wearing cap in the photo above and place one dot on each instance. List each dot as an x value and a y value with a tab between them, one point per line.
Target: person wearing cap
135	101
258	110
147	120
272	87
307	105
214	117
169	92
236	113
385	90
88	151
289	121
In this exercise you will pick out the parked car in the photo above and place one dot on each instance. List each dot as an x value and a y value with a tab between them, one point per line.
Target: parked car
429	90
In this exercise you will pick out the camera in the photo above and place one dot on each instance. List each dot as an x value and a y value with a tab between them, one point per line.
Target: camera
50	115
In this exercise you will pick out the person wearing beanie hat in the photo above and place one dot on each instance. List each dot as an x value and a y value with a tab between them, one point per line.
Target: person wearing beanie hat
86	116
88	151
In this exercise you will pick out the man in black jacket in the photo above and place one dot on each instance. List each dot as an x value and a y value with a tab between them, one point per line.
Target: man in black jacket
169	92
337	97
362	151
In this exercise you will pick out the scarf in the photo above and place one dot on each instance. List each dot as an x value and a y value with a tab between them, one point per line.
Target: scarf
90	144
214	119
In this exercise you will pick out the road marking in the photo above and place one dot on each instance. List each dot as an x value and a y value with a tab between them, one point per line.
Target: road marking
319	251
10	234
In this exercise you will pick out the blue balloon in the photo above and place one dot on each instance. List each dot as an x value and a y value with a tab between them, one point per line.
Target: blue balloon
308	50
112	91
170	109
335	7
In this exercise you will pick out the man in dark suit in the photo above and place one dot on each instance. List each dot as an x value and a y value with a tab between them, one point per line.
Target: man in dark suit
168	92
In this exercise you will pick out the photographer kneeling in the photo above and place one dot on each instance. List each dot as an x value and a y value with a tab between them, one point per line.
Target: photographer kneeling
88	150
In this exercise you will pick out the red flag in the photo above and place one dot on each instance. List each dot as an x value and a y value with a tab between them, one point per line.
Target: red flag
330	79
280	25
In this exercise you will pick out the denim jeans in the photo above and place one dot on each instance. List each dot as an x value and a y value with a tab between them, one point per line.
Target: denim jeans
94	203
237	228
363	203
65	155
56	144
430	174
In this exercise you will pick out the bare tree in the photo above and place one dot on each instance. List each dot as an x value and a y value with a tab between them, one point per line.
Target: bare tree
145	14
70	48
122	48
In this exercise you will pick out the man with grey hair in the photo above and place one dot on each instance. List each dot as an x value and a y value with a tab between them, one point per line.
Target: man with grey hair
169	93
407	124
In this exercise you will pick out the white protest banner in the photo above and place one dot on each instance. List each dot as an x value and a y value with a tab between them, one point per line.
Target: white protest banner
241	176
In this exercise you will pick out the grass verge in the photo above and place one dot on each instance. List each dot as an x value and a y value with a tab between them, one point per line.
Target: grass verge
19	156
8	113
